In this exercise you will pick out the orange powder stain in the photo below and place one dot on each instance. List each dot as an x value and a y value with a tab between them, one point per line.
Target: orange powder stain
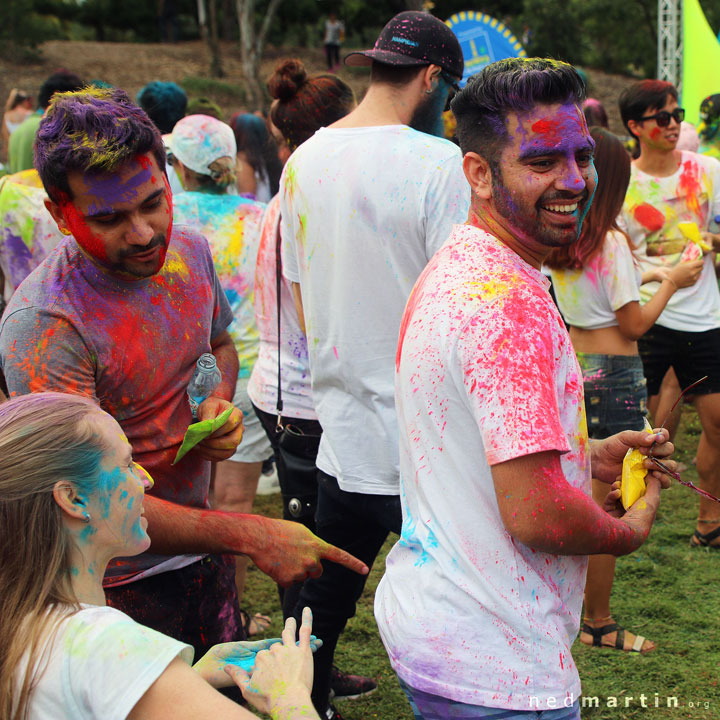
649	217
689	187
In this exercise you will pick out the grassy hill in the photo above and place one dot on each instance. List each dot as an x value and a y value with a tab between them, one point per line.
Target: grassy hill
132	65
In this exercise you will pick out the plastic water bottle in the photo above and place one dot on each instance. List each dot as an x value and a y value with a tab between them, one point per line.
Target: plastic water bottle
714	226
205	379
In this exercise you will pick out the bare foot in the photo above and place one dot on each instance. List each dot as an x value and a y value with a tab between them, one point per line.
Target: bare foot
258	624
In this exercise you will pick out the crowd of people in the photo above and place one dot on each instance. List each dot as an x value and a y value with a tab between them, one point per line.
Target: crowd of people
452	340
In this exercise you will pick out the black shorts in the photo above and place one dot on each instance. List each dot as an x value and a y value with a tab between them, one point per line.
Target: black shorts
691	354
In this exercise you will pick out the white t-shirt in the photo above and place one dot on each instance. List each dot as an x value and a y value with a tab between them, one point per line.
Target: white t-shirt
99	665
294	368
486	373
333	32
363	210
653	208
588	297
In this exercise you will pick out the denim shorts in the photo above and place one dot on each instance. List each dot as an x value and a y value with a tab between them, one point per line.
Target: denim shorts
434	707
615	393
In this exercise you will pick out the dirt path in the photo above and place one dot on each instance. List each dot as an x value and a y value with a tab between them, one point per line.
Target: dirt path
132	65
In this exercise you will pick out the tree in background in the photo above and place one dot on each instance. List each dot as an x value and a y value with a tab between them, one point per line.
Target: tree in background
208	24
618	36
253	32
24	24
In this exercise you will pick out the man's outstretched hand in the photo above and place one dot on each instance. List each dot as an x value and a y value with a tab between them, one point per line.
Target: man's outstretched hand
291	553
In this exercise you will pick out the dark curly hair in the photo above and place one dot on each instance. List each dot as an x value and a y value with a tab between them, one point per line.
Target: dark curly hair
512	85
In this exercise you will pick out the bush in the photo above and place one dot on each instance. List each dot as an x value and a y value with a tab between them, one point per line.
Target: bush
23	28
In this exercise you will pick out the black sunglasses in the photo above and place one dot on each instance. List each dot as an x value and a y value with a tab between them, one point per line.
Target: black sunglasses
662	118
455	89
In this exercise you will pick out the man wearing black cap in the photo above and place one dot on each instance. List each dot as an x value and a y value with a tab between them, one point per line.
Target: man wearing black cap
365	204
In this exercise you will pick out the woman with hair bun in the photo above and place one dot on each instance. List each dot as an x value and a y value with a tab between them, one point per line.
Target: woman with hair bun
305	104
203	151
301	106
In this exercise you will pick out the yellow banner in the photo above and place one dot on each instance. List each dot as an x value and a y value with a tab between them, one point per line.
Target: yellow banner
701	60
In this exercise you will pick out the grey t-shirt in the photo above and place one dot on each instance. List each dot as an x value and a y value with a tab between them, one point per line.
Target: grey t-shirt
131	345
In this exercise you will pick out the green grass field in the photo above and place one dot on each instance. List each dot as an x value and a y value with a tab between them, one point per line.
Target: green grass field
666	591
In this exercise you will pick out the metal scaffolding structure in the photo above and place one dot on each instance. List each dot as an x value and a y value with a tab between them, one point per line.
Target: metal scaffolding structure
670	41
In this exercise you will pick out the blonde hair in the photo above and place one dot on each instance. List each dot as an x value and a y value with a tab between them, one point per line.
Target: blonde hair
222	175
44	437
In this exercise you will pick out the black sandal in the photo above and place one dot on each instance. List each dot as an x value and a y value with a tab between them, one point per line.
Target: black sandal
600	632
700	540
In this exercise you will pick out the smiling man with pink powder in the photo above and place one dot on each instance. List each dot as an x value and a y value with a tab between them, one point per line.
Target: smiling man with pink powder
481	598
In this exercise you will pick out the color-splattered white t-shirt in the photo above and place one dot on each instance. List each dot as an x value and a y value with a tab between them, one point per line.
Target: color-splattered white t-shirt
294	366
653	208
100	663
231	225
588	297
486	373
27	231
363	210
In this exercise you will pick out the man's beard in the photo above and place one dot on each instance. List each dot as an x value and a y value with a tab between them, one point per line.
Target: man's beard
530	225
125	264
427	117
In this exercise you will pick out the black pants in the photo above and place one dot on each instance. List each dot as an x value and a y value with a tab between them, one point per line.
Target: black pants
360	525
288	596
332	55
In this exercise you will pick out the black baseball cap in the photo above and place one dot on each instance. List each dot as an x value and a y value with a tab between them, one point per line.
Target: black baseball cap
414	38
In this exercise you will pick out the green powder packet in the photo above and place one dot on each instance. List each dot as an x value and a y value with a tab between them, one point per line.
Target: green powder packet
198	431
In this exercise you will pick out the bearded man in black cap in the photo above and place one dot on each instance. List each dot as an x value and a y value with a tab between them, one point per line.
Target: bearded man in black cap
365	203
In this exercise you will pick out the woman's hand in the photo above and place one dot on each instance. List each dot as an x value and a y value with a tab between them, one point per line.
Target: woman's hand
657	274
282	679
685	274
241	654
211	666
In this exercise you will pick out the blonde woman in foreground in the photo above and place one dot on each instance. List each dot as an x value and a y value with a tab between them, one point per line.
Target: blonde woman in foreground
71	498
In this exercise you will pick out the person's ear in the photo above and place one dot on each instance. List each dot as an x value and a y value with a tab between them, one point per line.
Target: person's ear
431	78
479	175
57	215
633	126
69	501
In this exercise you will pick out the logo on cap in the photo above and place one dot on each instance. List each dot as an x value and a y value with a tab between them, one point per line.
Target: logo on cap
404	41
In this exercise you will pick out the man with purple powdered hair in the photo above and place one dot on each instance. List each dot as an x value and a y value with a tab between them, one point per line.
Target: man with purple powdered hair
120	311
